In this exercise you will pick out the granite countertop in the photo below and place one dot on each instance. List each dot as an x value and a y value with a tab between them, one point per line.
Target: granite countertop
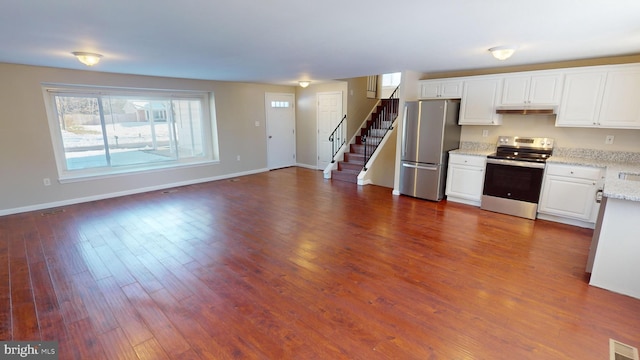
614	162
474	148
471	152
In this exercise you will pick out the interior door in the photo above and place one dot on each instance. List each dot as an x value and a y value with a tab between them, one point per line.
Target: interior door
281	130
329	115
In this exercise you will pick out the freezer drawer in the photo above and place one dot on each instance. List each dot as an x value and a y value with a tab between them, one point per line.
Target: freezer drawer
423	181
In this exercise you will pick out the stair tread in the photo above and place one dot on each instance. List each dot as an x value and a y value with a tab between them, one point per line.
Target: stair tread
348	171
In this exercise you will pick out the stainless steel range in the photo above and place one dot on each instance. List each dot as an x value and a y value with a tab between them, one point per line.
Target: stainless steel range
513	176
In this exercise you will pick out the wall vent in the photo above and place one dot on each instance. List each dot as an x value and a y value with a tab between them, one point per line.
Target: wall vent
51	212
170	191
620	351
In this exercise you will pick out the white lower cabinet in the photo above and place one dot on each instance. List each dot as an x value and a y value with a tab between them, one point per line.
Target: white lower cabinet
570	192
465	178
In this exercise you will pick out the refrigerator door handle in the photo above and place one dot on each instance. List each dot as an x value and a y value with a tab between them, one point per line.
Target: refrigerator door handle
421	167
404	139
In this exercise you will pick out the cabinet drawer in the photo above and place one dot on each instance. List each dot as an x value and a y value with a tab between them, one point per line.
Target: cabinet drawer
573	171
469	160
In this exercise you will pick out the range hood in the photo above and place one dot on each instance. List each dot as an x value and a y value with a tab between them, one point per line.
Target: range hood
526	110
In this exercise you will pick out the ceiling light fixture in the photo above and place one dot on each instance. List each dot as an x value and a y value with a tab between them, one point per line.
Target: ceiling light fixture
502	52
304	84
87	58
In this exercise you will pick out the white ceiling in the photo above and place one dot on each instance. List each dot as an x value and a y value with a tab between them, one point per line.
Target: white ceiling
283	41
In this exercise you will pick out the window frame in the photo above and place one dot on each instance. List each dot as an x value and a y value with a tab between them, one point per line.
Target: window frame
394	80
209	130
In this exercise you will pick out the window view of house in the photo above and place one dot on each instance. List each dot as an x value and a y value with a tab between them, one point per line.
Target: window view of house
98	131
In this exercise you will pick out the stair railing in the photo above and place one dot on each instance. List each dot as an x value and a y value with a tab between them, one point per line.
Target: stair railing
338	138
380	125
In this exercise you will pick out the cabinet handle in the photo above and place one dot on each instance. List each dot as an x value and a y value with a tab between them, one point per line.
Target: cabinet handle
599	196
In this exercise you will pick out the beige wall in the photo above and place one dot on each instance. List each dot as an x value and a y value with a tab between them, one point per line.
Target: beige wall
307	119
359	105
382	171
26	154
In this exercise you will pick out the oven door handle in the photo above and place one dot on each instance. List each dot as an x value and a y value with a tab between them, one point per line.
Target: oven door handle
527	164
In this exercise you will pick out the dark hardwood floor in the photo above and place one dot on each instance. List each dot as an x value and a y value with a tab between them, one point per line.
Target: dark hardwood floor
286	265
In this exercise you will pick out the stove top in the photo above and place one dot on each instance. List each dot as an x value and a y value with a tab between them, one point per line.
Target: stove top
523	148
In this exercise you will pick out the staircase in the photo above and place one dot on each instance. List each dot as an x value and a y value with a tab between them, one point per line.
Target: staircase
371	134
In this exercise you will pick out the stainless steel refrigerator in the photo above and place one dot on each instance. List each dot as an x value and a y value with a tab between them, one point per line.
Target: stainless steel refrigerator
430	131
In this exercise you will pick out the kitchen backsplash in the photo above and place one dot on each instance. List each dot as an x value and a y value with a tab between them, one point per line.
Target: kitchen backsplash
600	155
477	146
594	154
626	140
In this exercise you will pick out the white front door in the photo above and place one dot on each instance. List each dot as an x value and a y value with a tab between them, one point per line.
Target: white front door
281	130
329	115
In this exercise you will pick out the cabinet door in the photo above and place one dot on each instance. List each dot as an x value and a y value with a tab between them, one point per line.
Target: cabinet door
451	89
581	99
479	99
516	90
440	89
429	89
567	197
620	104
545	89
465	182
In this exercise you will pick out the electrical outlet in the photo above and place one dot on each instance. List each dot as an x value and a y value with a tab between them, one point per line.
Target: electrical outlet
46	181
485	133
609	139
238	157
257	123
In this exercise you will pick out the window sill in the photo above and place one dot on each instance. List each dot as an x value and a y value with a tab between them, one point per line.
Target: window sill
73	178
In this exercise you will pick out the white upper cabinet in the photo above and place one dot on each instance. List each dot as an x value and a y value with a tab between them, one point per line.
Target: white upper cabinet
605	97
479	99
581	99
621	100
532	90
438	89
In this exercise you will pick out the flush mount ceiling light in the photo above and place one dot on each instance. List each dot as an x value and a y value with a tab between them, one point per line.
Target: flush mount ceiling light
87	58
304	84
503	52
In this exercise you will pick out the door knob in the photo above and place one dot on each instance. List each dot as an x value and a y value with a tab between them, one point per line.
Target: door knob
270	136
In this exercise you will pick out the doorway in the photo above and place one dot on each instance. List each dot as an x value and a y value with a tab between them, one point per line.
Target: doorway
281	130
329	115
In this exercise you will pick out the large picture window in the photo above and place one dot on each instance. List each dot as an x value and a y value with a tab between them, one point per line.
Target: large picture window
107	131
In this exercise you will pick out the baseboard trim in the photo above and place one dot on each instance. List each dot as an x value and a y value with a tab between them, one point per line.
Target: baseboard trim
568	221
307	166
73	201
